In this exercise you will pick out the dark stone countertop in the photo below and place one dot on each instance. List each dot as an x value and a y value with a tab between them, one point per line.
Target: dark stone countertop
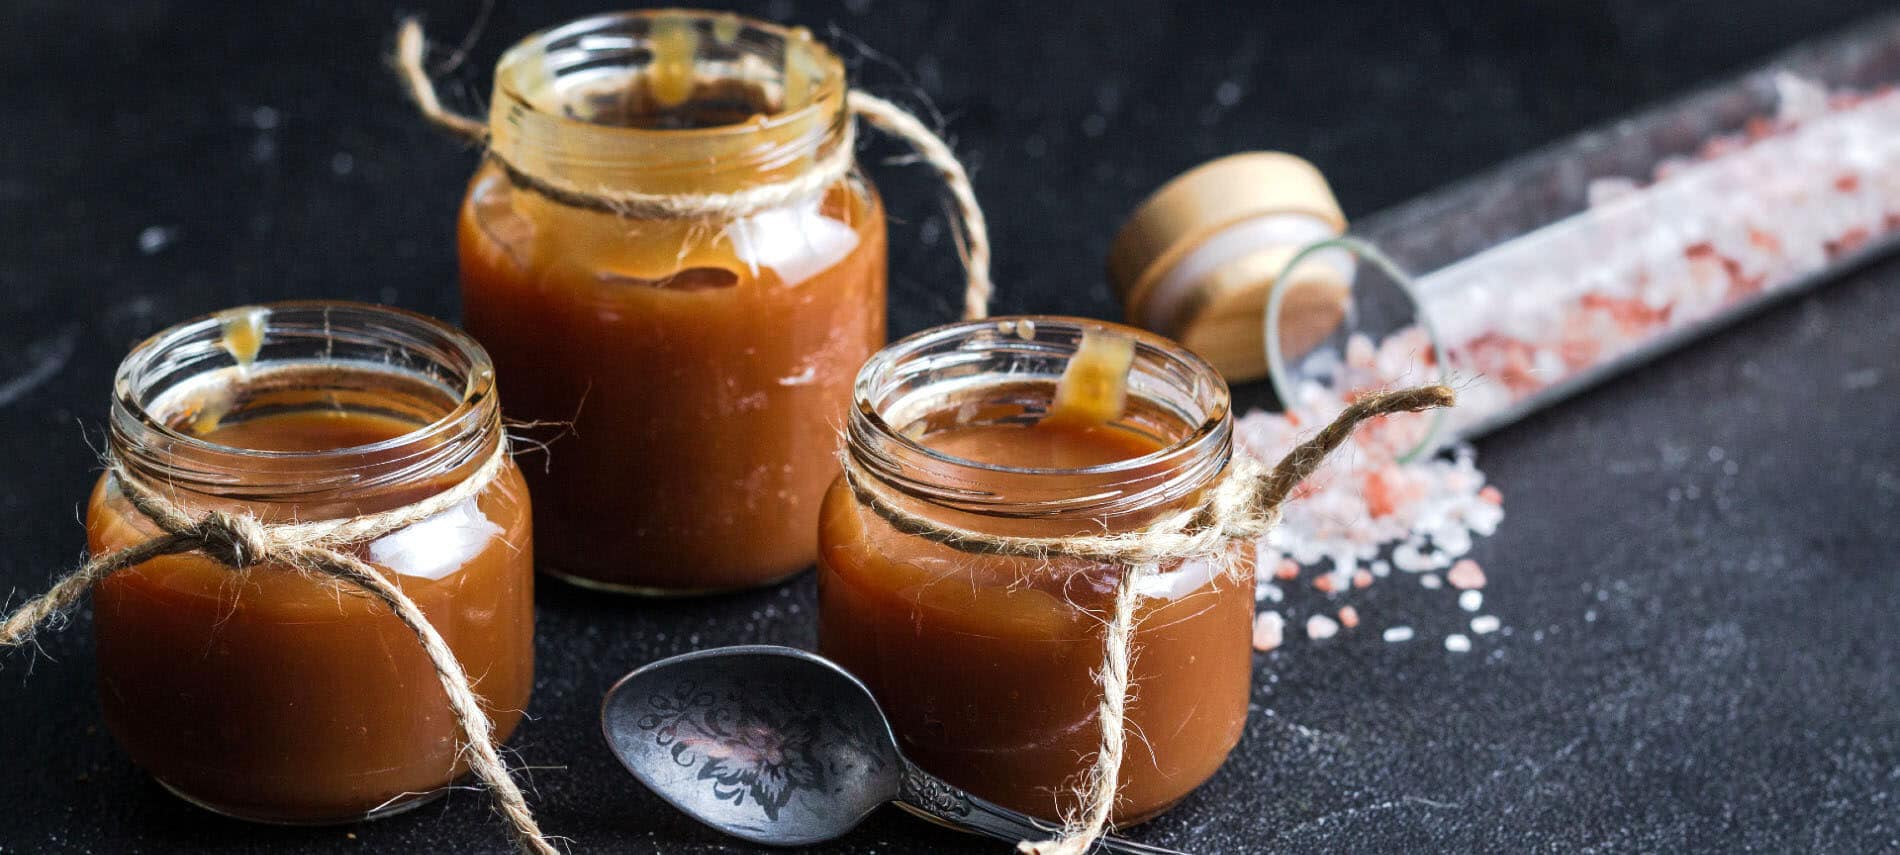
1701	658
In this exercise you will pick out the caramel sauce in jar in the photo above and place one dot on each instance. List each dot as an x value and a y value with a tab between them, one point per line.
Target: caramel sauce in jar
985	665
699	368
271	695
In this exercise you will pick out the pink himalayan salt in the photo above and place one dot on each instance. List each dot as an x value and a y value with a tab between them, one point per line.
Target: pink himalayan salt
1348	617
1465	575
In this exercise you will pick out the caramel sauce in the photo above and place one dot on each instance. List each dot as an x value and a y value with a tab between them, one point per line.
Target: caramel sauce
243	332
1094	386
271	695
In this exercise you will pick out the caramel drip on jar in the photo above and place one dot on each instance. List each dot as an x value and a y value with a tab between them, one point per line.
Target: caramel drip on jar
1093	390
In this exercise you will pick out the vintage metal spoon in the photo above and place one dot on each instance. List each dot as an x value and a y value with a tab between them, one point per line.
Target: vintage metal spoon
782	747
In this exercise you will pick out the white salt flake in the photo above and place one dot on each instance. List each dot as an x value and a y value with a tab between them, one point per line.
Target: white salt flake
1321	627
153	239
1269	629
1471	601
1397	634
1457	643
1431	582
1485	624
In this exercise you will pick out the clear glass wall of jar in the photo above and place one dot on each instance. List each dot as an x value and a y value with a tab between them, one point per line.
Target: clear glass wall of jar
704	362
984	664
272	695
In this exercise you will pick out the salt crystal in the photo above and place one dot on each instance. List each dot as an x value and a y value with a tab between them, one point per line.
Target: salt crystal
1406	556
1457	643
1348	616
1286	570
1321	627
1362	578
1268	592
1269	629
1397	634
1431	581
1471	601
1466	574
155	238
1325	583
1485	624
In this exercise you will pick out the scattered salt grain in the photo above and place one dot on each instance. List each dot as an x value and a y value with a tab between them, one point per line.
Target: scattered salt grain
1286	570
1394	635
1485	624
1471	601
1268	592
1457	643
1430	581
1348	616
1321	627
1362	578
1269	629
1325	584
152	239
1466	575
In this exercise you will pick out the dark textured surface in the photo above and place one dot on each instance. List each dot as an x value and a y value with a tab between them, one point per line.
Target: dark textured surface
1701	657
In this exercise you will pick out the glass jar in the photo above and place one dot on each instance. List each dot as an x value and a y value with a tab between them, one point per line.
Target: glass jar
985	665
703	362
269	694
1566	267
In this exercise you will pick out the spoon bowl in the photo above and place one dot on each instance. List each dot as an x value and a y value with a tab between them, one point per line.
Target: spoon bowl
769	744
782	747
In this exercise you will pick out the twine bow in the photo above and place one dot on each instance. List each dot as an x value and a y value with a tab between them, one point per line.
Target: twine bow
1243	506
240	542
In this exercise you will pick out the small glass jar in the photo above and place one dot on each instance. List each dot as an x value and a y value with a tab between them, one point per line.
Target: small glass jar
269	694
703	362
985	665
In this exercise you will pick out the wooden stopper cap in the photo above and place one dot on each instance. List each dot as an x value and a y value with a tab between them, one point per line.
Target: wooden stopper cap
1197	259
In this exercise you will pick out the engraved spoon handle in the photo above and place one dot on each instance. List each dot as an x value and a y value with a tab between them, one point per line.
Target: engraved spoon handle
936	797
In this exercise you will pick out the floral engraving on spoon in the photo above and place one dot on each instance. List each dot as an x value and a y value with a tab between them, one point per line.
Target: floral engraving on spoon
748	746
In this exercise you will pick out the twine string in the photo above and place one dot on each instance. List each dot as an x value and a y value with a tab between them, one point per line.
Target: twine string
973	238
1242	506
241	541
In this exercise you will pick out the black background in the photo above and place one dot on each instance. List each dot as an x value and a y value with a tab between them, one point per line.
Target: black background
1697	659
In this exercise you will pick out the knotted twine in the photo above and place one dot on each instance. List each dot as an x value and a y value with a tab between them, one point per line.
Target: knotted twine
1243	506
319	549
973	239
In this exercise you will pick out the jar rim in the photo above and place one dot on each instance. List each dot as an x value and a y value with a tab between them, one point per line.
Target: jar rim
922	373
358	357
533	48
478	385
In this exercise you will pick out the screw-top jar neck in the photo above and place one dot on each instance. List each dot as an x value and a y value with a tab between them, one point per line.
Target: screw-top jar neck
668	101
1004	371
310	357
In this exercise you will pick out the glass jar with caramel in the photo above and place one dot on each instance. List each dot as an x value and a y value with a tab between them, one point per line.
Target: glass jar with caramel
984	664
698	361
270	694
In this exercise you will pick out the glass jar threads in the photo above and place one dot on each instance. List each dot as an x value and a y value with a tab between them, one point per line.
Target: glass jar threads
985	664
271	694
703	358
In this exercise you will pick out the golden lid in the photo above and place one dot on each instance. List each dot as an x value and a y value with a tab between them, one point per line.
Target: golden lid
1262	206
